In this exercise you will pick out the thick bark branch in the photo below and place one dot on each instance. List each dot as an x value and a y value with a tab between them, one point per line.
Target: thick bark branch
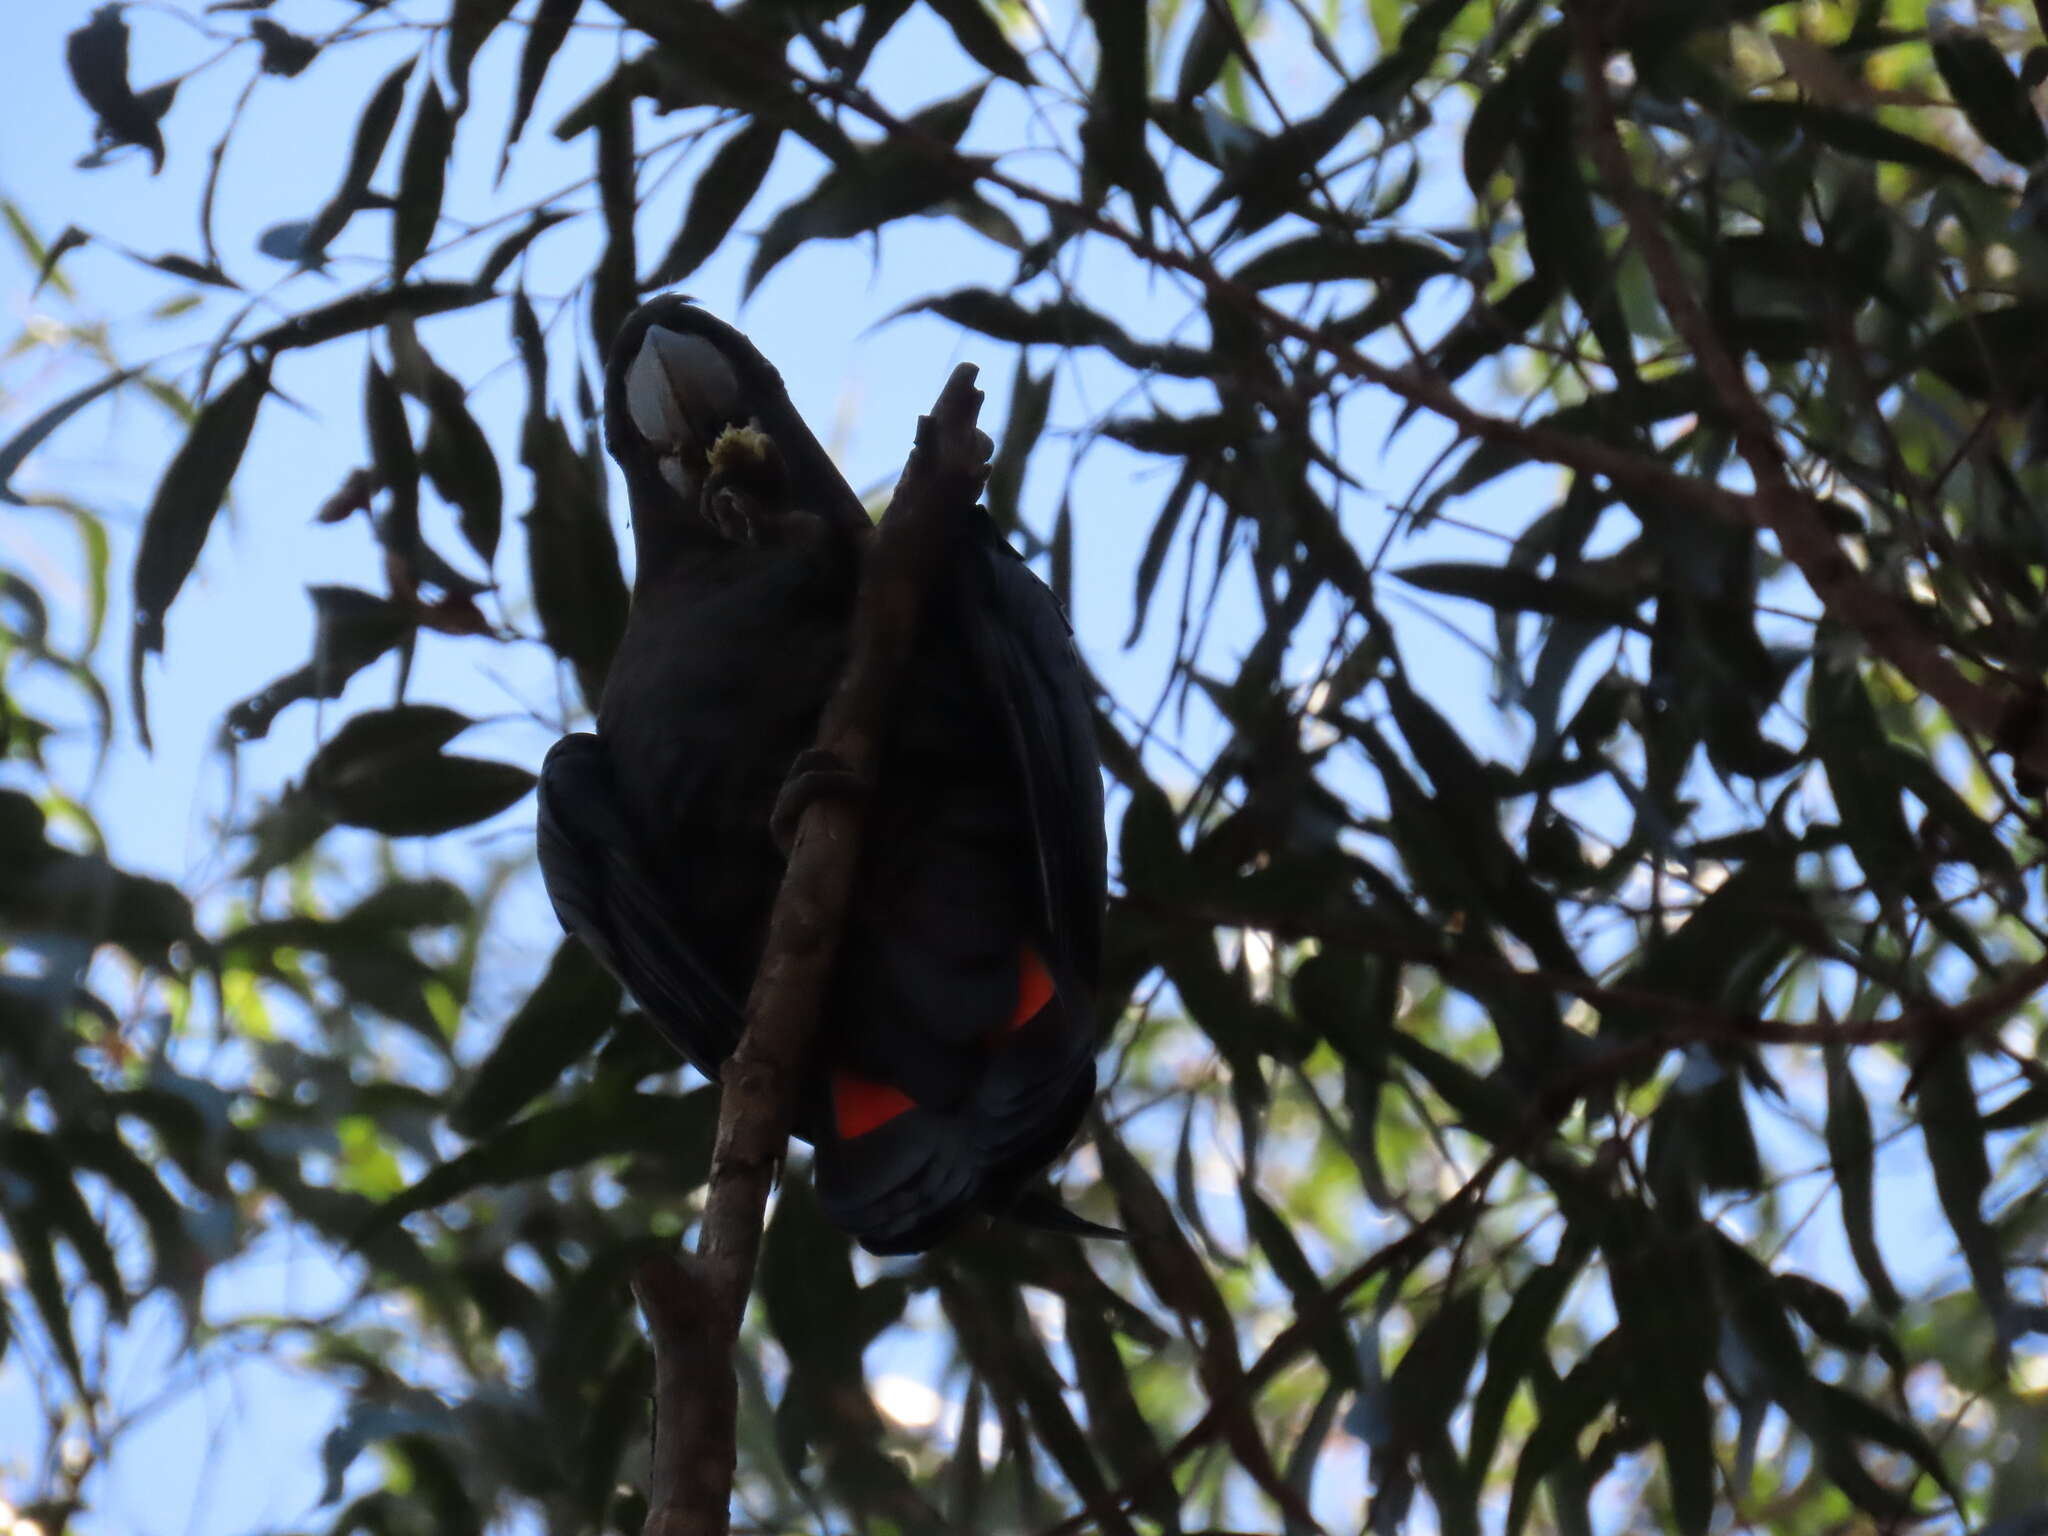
695	1302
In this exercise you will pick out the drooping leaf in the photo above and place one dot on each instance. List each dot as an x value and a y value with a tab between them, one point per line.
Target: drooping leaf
897	179
1565	243
456	455
1577	1401
513	246
352	629
545	35
981	38
15	451
601	1122
1513	590
563	1019
572	557
1429	1382
1777	123
1061	323
1332	259
366	311
398	468
421	174
614	283
724	188
284	52
470	25
1988	356
181	513
1515	1347
97	55
425	796
1990	95
1668	1325
373	132
1030	399
1954	1137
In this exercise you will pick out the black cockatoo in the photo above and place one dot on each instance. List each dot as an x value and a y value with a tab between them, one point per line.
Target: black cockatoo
957	1052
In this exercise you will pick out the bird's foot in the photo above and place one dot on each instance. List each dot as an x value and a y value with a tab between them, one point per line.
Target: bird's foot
815	775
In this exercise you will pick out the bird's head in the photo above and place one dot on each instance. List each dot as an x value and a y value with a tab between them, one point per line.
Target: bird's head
701	425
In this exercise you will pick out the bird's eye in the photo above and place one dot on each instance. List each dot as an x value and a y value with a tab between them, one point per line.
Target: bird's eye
680	392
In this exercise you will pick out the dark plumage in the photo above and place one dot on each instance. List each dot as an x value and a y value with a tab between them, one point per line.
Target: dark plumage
957	1055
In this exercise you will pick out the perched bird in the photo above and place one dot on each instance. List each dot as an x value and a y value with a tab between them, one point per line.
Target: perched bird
956	1056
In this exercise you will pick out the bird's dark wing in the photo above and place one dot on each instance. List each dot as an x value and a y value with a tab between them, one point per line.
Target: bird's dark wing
967	1035
1024	653
604	895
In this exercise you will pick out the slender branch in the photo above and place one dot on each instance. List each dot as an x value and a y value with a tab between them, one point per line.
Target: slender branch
694	1303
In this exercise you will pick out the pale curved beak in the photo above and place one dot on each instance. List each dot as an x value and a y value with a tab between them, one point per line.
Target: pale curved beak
680	394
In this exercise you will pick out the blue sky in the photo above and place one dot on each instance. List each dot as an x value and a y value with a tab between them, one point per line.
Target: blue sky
243	1450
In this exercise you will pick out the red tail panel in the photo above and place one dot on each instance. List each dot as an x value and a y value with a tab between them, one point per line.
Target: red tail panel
860	1106
1034	987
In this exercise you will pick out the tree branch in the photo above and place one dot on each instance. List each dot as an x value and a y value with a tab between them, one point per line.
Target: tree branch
694	1303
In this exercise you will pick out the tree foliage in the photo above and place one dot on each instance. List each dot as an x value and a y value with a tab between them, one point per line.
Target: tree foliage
1479	1082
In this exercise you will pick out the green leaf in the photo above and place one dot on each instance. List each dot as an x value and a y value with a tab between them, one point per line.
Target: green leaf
897	179
1323	258
285	53
1497	119
1954	1137
563	1019
470	25
2028	1107
513	246
97	54
404	730
613	283
366	310
1856	752
178	1264
1212	43
1989	355
724	188
1516	590
458	460
421	797
62	1210
1030	400
398	467
29	1234
1118	100
1517	1345
1725	950
1668	1326
573	560
181	513
1065	323
351	630
1776	124
601	1122
1565	243
17	448
421	175
373	132
1566	1412
1990	95
1429	1383
980	37
545	35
